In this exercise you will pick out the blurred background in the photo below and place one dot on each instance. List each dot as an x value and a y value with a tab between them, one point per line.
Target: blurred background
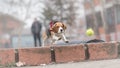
16	17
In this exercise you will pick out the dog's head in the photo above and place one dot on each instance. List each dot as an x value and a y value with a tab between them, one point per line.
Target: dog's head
58	27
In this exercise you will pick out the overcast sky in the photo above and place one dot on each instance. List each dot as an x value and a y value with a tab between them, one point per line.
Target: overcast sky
19	11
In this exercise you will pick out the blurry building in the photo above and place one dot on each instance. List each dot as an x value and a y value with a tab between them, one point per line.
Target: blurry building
104	17
22	38
7	25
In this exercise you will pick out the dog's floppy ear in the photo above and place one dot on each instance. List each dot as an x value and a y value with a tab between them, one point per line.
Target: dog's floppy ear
52	28
64	26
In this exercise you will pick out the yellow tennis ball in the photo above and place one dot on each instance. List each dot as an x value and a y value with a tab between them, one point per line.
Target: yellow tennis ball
89	32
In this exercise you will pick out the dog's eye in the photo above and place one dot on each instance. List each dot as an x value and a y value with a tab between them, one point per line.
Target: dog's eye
57	26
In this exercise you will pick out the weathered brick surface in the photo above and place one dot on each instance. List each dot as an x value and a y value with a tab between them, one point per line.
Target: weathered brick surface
69	53
102	50
7	56
35	56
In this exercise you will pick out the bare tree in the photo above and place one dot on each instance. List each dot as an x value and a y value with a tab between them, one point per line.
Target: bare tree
63	10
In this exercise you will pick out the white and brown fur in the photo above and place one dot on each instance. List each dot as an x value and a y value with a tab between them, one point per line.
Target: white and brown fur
57	33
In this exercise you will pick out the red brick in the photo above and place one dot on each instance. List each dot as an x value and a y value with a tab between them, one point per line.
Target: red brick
101	30
108	38
102	50
35	56
118	27
69	53
97	2
7	56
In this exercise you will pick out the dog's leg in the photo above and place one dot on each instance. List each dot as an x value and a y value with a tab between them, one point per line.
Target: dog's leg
64	38
43	44
53	42
54	39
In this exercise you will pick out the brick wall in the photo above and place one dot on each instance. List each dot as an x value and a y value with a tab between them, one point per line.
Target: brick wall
60	54
69	53
102	51
35	56
7	56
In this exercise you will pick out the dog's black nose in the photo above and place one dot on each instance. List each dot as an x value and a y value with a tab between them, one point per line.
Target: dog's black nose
66	41
61	30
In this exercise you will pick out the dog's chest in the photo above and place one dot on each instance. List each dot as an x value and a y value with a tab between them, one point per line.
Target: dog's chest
56	36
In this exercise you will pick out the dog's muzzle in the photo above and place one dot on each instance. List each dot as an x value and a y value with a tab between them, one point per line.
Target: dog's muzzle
60	30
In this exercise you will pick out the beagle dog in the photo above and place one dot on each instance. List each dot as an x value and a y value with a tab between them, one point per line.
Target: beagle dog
57	32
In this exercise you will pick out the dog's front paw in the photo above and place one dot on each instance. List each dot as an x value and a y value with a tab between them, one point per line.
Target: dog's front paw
67	41
59	38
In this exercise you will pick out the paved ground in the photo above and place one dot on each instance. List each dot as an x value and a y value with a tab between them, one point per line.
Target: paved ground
114	63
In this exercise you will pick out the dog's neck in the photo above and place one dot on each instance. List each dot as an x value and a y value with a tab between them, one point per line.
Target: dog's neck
58	34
